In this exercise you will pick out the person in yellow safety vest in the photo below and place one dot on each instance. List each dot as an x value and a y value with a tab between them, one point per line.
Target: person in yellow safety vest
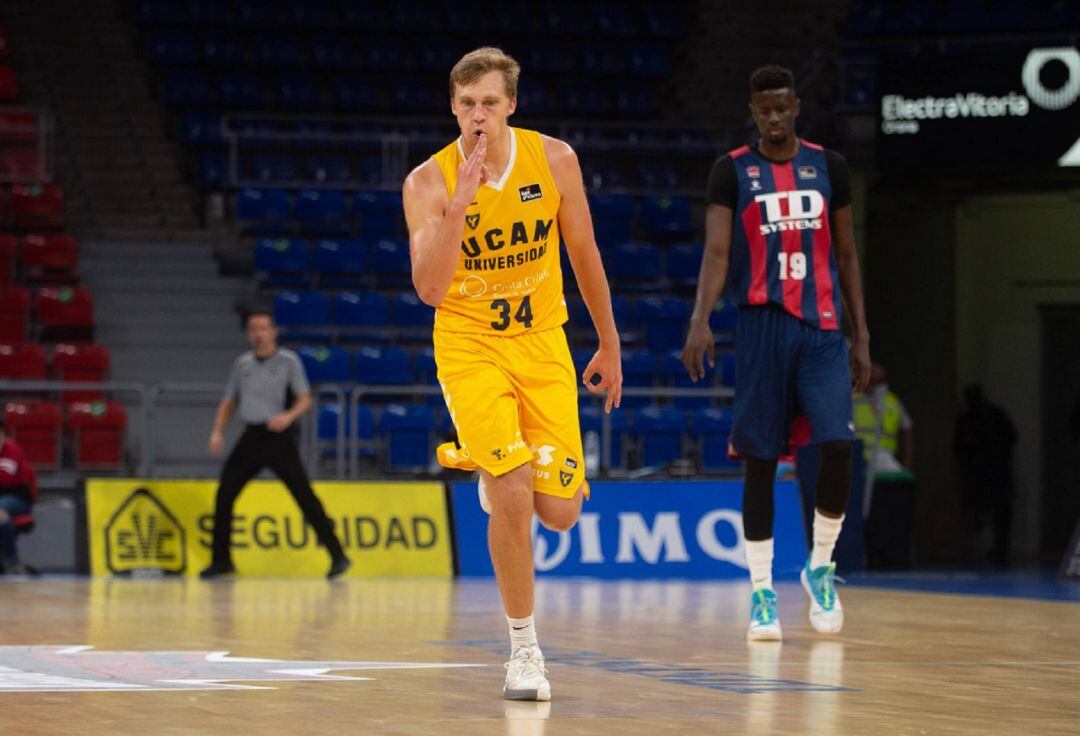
884	426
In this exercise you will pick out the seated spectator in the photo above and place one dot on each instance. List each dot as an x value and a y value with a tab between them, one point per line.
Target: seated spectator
18	489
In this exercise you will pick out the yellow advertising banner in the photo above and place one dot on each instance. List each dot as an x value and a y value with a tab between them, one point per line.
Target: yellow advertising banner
387	529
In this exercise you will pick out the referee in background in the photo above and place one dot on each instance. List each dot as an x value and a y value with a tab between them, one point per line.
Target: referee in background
271	391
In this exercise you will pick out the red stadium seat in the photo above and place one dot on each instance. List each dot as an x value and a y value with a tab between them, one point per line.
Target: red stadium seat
22	362
65	313
99	432
37	206
80	362
9	84
14	313
8	246
36	426
52	257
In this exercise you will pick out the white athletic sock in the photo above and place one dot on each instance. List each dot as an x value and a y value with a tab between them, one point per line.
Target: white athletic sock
759	559
826	531
522	633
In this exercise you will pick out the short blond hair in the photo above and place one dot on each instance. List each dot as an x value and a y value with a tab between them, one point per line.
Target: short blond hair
479	62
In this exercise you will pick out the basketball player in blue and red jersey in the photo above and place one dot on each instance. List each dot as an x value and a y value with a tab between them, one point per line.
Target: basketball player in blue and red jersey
778	233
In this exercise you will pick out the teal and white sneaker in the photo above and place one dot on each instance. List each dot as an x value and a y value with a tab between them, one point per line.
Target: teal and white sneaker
826	613
764	623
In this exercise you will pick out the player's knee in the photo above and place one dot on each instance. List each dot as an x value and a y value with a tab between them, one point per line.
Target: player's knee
558	514
4	518
511	493
836	452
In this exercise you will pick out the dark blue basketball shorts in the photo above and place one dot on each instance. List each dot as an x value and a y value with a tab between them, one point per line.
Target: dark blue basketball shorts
785	367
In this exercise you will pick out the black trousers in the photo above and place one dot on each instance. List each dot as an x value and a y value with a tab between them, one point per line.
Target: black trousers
260	448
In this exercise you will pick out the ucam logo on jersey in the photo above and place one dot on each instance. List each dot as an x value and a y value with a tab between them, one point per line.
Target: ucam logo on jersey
800	209
667	530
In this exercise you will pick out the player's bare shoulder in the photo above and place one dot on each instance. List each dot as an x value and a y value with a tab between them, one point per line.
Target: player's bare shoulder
425	181
563	162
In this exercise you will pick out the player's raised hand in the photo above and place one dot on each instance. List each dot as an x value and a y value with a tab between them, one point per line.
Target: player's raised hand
472	173
860	365
604	373
699	344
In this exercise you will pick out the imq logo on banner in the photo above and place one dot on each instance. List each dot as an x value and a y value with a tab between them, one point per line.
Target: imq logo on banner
690	530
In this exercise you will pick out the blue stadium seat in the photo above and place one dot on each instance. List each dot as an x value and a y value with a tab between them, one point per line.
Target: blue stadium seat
635	262
206	13
211	174
324	363
664	319
634	102
656	175
298	91
365	428
712	427
161	13
616	19
390	258
261	14
331	51
273	167
665	217
172	47
329	169
568	19
264	205
659	430
282	262
663	21
684	263
301	308
382	366
639	371
321	209
386	54
613	216
187	88
625	318
417	95
222	49
592	417
408	430
341	262
676	376
647	60
360	309
353	93
588	99
535	98
201	128
361	15
603	60
312	132
239	89
378	214
314	14
437	55
409	312
276	51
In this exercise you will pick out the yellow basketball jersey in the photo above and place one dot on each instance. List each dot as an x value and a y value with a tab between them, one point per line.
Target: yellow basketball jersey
508	279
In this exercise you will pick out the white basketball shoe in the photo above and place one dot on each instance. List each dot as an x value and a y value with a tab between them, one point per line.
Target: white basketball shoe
526	676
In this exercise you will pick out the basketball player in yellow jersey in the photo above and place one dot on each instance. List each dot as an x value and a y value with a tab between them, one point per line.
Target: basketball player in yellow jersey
485	218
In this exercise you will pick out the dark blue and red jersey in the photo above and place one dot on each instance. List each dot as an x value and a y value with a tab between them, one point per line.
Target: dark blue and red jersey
781	246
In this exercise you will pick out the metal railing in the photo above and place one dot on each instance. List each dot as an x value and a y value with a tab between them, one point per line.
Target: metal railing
346	443
399	151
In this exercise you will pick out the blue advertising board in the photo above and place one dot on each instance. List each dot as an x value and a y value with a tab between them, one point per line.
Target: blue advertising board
660	530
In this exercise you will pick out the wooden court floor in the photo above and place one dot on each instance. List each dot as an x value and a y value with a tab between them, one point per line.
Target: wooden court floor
357	656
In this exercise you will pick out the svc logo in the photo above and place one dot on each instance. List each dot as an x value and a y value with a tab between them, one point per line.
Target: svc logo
143	534
638	541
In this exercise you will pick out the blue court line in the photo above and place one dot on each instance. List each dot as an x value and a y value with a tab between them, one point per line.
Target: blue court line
1031	584
732	682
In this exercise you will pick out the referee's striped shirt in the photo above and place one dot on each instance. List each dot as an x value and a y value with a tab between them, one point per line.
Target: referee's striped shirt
265	387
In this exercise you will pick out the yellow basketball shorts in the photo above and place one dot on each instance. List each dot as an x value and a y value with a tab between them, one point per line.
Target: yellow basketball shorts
513	400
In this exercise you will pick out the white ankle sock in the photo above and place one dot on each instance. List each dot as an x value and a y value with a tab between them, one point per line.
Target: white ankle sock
522	633
826	531
759	557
